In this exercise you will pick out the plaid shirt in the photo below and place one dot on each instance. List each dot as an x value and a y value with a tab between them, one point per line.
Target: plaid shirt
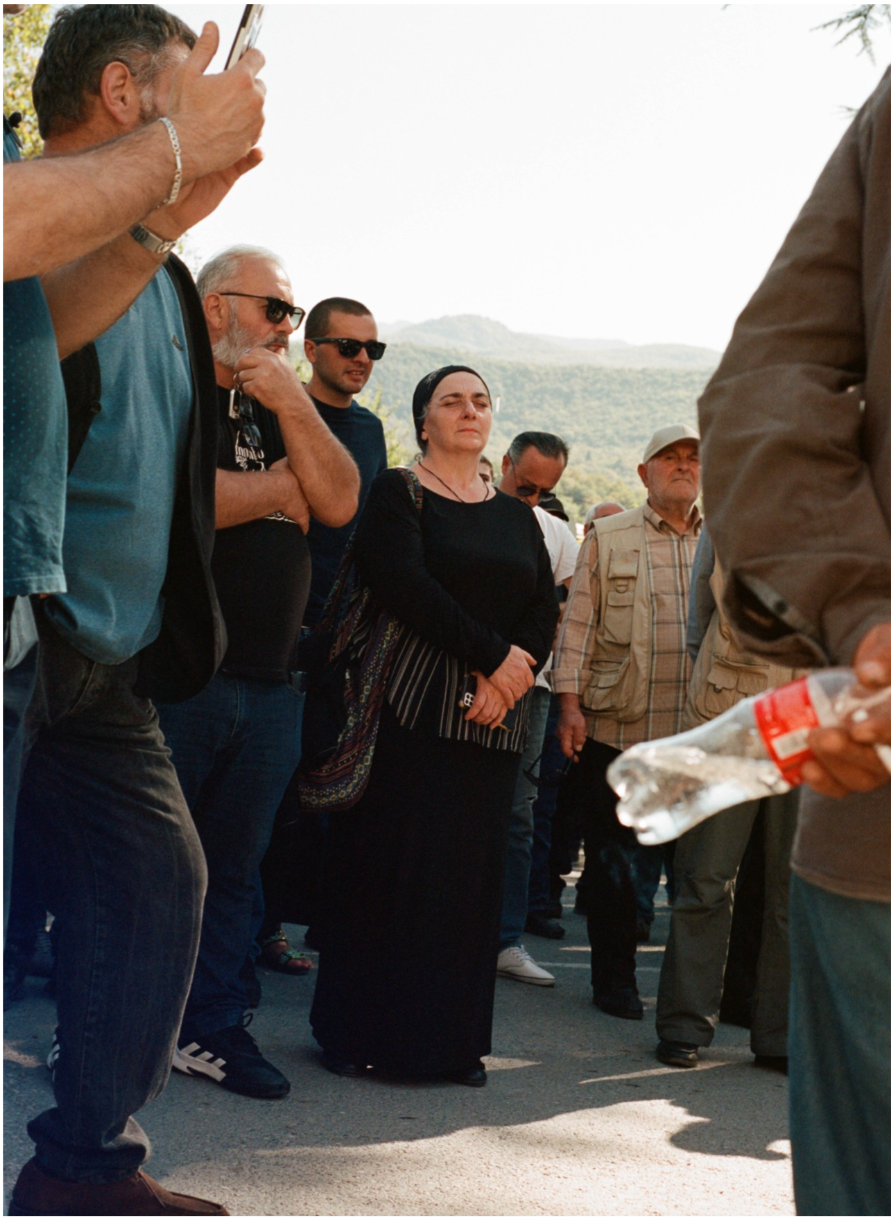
669	557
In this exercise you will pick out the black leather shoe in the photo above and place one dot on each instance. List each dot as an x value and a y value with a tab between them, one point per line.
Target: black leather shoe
619	1000
553	909
476	1076
780	1064
543	926
336	1063
671	1052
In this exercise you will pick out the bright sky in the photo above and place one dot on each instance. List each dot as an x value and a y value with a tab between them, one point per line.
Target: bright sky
590	170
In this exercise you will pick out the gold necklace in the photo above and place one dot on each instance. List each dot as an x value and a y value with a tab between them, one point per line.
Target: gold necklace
453	490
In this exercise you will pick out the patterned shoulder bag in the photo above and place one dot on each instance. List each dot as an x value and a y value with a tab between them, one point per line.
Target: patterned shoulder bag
349	658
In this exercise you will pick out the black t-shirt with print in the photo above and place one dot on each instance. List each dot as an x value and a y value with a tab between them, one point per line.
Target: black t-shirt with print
261	568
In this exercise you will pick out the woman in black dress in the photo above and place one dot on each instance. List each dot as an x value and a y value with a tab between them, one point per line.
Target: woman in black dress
411	920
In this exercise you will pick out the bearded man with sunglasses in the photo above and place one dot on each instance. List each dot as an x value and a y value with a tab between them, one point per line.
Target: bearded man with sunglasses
236	744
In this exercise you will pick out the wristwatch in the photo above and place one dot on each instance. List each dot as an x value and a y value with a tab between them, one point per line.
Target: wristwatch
152	242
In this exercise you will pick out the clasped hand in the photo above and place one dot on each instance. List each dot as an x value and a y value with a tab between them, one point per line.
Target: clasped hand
497	693
513	676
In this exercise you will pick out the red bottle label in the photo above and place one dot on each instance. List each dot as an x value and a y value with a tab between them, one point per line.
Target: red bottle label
784	718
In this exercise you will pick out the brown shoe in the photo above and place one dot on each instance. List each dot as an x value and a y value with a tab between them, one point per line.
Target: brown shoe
40	1195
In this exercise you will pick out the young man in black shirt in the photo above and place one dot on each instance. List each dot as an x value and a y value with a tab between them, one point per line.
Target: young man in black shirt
341	343
236	744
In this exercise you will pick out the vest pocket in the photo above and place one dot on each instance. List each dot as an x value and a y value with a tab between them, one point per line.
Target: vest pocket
607	693
618	625
623	566
728	683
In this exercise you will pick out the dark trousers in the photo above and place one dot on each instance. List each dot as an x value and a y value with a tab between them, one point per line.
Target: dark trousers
608	878
119	863
235	746
708	858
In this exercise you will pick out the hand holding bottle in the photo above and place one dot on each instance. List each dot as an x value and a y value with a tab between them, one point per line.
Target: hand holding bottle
759	747
850	760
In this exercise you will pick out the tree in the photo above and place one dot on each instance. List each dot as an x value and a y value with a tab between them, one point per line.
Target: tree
859	23
398	454
23	39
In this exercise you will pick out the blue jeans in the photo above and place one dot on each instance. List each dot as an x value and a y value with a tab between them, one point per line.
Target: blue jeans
120	865
20	650
840	1053
552	768
648	862
521	826
235	747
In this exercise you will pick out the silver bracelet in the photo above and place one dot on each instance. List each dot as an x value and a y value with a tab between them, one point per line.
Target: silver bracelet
178	173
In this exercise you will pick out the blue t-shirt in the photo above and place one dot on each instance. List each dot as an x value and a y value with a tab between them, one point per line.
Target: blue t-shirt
121	489
360	432
35	436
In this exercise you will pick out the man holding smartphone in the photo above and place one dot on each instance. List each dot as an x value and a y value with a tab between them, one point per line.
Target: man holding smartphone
118	859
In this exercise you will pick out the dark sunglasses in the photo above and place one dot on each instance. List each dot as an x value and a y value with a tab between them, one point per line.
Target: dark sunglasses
529	489
350	348
276	308
548	778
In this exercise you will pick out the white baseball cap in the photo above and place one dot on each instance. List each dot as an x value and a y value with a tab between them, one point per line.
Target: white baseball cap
667	436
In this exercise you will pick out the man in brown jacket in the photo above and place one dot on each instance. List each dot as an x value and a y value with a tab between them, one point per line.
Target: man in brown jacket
797	470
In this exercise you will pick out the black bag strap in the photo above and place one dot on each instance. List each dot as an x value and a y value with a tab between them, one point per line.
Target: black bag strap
345	580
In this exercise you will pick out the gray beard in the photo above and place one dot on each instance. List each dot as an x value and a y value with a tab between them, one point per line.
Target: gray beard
236	341
231	345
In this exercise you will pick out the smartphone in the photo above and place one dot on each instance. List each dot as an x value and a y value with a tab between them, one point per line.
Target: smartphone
247	34
467	699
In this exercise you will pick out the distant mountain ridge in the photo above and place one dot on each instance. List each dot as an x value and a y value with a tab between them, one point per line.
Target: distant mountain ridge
475	334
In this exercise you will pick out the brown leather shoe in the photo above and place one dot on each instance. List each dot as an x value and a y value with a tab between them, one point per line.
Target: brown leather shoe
40	1195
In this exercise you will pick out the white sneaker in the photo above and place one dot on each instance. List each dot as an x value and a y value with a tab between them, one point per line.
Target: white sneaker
516	964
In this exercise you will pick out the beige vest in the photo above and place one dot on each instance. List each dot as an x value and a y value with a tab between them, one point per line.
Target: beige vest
622	660
724	673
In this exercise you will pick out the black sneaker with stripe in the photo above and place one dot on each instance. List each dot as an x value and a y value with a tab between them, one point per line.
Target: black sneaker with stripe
231	1058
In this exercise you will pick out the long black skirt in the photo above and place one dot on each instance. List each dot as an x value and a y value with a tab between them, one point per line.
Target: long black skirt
411	913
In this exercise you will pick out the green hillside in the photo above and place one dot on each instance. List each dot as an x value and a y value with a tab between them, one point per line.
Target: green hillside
484	336
606	415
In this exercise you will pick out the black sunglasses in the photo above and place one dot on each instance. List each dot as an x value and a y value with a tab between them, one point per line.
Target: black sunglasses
276	308
548	778
529	489
350	348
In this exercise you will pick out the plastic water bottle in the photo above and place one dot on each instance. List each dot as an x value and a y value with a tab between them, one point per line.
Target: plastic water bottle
755	749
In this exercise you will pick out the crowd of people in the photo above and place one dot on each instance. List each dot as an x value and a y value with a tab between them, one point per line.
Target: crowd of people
178	509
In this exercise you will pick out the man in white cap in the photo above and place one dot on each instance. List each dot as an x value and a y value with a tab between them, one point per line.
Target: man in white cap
622	673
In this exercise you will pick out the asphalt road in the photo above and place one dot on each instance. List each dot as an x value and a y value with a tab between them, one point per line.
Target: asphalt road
577	1118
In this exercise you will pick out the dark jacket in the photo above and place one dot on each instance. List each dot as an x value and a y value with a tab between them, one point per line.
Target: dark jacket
193	639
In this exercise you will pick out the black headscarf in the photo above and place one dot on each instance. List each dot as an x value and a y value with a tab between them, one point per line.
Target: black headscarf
423	393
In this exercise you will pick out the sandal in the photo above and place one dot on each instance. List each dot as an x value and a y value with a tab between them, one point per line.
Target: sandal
284	959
